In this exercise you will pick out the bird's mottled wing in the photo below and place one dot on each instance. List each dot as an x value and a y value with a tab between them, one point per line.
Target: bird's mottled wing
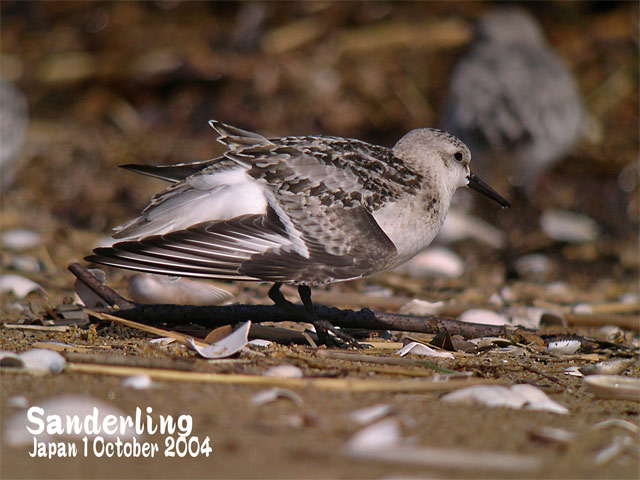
178	172
326	189
337	171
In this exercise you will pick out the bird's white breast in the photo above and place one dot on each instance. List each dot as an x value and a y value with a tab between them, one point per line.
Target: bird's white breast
410	224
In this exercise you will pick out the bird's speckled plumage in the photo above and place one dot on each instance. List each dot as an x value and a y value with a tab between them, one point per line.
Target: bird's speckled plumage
304	210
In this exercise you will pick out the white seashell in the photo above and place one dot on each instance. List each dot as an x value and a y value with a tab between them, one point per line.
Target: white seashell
138	382
283	371
267	396
617	447
371	414
43	360
25	263
459	226
20	239
518	396
557	288
496	299
383	434
582	309
483	316
570	227
616	423
573	370
378	291
533	317
508	295
614	387
536	399
550	434
229	345
18	285
421	349
149	288
629	298
259	342
18	401
564	347
611	332
534	267
163	340
610	367
484	342
16	433
488	395
10	359
437	261
87	297
421	307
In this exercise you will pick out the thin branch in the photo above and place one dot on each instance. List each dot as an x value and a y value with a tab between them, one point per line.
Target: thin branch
107	294
217	316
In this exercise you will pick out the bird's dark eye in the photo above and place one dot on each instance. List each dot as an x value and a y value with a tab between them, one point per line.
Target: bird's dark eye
458	156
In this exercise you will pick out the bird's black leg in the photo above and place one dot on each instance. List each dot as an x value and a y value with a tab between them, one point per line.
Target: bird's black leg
323	327
278	298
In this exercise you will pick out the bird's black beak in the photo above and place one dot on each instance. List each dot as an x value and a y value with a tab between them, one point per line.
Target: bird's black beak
479	186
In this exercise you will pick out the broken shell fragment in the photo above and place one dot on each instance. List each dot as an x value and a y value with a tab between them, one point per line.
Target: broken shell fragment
272	394
518	396
438	261
535	267
226	347
570	227
613	333
43	360
421	307
421	349
610	367
383	434
459	226
367	415
616	423
18	285
483	316
138	382
283	371
614	387
20	239
616	448
564	347
533	317
552	435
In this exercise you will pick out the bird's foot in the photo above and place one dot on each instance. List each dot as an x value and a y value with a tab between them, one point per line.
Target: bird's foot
339	339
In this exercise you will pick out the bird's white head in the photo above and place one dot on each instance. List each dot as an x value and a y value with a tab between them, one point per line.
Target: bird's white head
444	158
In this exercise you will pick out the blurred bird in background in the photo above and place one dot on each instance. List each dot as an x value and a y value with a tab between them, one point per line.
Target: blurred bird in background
13	130
512	101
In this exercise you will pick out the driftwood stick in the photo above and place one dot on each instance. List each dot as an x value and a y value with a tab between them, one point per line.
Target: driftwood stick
215	316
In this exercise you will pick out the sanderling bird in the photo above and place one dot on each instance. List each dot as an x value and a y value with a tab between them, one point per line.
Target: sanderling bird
512	101
307	211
